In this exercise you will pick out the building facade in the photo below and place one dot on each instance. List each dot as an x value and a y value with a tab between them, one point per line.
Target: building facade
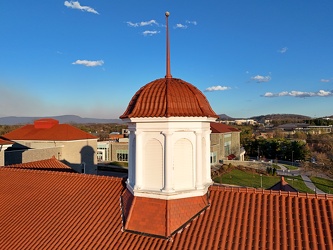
47	138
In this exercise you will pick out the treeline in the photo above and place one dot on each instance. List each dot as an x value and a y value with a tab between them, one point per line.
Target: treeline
279	149
315	150
4	129
102	130
319	122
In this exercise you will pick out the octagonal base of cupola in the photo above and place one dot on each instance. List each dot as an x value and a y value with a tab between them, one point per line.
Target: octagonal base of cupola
160	217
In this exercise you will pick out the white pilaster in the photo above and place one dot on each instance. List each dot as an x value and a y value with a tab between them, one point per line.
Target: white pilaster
168	162
138	160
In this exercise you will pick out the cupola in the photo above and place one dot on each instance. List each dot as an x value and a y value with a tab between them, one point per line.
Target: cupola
169	155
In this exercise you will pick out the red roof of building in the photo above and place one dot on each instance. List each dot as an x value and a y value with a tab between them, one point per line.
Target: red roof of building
56	210
217	127
166	97
5	142
283	186
51	164
48	129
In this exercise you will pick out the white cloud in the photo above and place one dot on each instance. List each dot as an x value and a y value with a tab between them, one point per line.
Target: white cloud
259	78
324	93
77	5
180	26
192	22
216	88
320	93
89	63
283	50
150	32
324	80
141	24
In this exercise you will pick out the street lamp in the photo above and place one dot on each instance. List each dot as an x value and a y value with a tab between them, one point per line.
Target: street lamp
261	180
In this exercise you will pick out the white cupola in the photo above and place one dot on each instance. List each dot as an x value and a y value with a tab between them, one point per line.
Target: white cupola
169	151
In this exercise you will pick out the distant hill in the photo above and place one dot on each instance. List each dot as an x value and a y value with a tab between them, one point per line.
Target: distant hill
281	117
69	119
225	117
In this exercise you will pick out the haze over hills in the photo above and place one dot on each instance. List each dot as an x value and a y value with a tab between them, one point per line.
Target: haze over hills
262	118
69	119
74	119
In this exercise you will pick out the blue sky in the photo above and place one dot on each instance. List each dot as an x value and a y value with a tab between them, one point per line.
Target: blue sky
89	57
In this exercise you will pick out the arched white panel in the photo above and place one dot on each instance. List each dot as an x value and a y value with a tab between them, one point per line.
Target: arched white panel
183	165
153	165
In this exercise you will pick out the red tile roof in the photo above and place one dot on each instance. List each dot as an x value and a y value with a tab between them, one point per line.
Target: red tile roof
48	129
5	142
55	210
217	127
166	97
283	186
51	164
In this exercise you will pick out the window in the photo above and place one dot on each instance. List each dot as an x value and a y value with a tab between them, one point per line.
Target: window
122	155
227	148
213	158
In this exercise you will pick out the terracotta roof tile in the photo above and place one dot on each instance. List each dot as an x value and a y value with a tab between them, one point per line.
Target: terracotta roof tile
55	210
166	97
51	164
4	141
283	186
48	129
217	127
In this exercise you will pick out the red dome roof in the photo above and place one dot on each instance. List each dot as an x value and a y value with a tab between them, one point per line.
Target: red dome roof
166	97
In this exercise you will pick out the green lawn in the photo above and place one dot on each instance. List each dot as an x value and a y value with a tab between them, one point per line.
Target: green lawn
323	184
298	183
248	179
119	163
290	167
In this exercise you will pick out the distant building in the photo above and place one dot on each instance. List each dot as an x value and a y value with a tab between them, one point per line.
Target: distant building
46	138
108	151
4	144
225	143
292	128
282	185
240	122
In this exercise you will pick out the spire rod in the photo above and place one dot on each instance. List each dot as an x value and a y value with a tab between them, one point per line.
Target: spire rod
168	73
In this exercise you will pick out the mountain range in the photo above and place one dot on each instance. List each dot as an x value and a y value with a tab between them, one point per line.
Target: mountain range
74	119
69	119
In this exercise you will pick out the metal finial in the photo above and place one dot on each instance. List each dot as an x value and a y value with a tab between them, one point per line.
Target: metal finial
168	71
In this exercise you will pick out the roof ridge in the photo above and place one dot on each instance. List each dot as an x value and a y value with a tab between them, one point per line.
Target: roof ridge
217	187
36	171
